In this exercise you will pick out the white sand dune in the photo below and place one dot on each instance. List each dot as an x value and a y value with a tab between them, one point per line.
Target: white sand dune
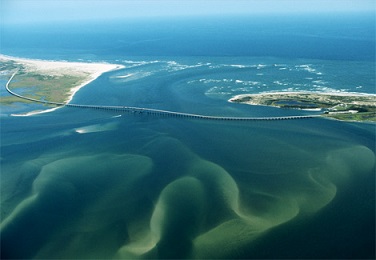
87	71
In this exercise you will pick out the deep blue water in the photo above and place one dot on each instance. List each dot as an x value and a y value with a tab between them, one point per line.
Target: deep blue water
82	183
331	36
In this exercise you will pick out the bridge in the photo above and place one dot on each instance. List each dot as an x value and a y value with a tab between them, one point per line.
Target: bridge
154	112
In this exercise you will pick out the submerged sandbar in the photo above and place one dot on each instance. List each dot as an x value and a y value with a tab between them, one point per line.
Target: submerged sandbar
55	81
342	106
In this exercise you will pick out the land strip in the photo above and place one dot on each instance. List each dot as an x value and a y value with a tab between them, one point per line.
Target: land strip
55	81
341	106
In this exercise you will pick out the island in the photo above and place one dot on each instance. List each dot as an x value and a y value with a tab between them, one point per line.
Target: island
341	106
55	81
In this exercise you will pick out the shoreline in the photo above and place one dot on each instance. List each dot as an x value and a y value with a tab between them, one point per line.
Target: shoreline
344	106
88	71
36	112
345	94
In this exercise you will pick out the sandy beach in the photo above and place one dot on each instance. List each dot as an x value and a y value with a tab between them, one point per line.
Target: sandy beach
301	93
345	106
88	72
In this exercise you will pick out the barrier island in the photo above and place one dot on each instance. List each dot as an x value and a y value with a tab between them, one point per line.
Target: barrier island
55	81
341	106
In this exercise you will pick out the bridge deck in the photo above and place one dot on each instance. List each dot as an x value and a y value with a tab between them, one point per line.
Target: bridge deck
155	112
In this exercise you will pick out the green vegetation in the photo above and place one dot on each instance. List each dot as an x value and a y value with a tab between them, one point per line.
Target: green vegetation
346	107
11	100
45	87
9	65
363	116
55	88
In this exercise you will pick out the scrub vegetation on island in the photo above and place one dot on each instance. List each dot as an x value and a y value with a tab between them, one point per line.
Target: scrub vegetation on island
53	81
341	106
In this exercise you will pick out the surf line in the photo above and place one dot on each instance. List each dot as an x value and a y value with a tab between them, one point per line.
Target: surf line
154	112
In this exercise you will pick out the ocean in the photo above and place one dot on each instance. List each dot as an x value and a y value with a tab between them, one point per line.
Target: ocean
94	184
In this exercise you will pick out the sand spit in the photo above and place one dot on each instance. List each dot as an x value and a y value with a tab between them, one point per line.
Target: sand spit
88	72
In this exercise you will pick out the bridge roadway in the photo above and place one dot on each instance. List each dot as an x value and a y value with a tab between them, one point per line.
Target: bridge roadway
155	112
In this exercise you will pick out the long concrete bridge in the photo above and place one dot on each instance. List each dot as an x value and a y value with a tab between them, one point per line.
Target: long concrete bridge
154	112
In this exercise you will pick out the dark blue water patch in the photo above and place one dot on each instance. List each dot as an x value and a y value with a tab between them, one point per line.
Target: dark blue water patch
347	37
342	231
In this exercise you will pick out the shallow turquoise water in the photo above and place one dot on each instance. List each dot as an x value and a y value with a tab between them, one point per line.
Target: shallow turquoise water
82	183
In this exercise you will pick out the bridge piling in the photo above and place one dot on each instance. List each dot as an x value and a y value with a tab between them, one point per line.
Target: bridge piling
155	112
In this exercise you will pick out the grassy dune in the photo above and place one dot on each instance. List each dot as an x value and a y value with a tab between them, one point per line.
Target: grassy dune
44	87
341	106
53	81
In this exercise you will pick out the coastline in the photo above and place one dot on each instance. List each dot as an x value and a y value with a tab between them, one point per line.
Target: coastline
36	112
346	94
344	106
88	72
